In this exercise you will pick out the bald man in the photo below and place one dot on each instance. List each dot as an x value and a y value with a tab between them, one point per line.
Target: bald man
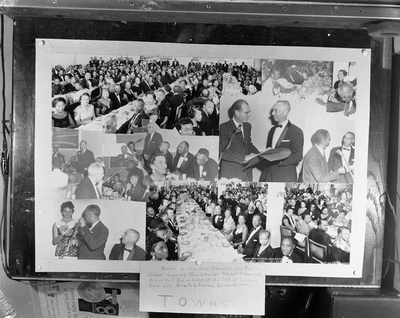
127	250
283	135
345	100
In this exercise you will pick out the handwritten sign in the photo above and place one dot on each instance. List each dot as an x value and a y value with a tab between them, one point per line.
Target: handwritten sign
206	288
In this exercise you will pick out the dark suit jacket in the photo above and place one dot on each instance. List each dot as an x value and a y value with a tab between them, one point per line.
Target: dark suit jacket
152	146
59	156
250	246
145	87
170	161
320	236
315	168
186	166
174	100
85	190
92	242
84	160
137	253
294	256
135	171
116	103
137	123
335	162
285	170
205	123
210	170
233	156
137	193
265	255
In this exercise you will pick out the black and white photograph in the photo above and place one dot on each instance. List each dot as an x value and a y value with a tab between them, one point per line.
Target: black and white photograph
302	130
91	236
299	103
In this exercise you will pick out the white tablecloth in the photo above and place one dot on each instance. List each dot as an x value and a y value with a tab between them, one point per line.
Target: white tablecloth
199	239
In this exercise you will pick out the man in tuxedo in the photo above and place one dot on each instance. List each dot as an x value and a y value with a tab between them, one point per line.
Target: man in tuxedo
92	234
225	67
88	187
213	116
283	135
175	63
116	97
243	67
145	85
343	156
175	100
134	189
205	168
183	160
164	148
136	120
84	157
315	166
235	145
152	141
127	250
249	246
58	155
286	252
319	234
217	219
124	153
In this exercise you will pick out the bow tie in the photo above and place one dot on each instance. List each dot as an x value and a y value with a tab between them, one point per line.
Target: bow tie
280	126
348	149
127	249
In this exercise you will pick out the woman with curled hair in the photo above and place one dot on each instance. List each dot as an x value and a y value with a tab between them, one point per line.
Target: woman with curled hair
63	230
61	118
195	114
84	113
240	232
158	165
156	249
150	108
136	89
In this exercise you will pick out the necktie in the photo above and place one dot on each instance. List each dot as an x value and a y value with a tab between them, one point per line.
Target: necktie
201	171
128	250
348	149
98	193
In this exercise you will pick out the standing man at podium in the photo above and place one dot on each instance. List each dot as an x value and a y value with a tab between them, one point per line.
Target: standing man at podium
283	135
235	145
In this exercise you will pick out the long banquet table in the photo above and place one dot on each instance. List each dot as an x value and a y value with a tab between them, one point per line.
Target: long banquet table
198	239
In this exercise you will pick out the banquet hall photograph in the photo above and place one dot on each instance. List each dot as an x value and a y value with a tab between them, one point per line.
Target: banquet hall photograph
302	105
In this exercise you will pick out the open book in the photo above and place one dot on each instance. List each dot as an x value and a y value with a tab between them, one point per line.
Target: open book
268	154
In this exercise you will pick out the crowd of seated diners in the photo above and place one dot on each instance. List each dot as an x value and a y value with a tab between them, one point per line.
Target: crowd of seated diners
320	223
161	220
167	89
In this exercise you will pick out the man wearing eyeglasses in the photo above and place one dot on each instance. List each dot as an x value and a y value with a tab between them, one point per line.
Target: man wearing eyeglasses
235	145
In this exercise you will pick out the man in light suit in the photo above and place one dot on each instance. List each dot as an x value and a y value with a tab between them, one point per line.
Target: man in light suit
343	156
235	145
152	141
315	166
88	187
283	135
127	250
92	234
84	158
204	167
183	160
